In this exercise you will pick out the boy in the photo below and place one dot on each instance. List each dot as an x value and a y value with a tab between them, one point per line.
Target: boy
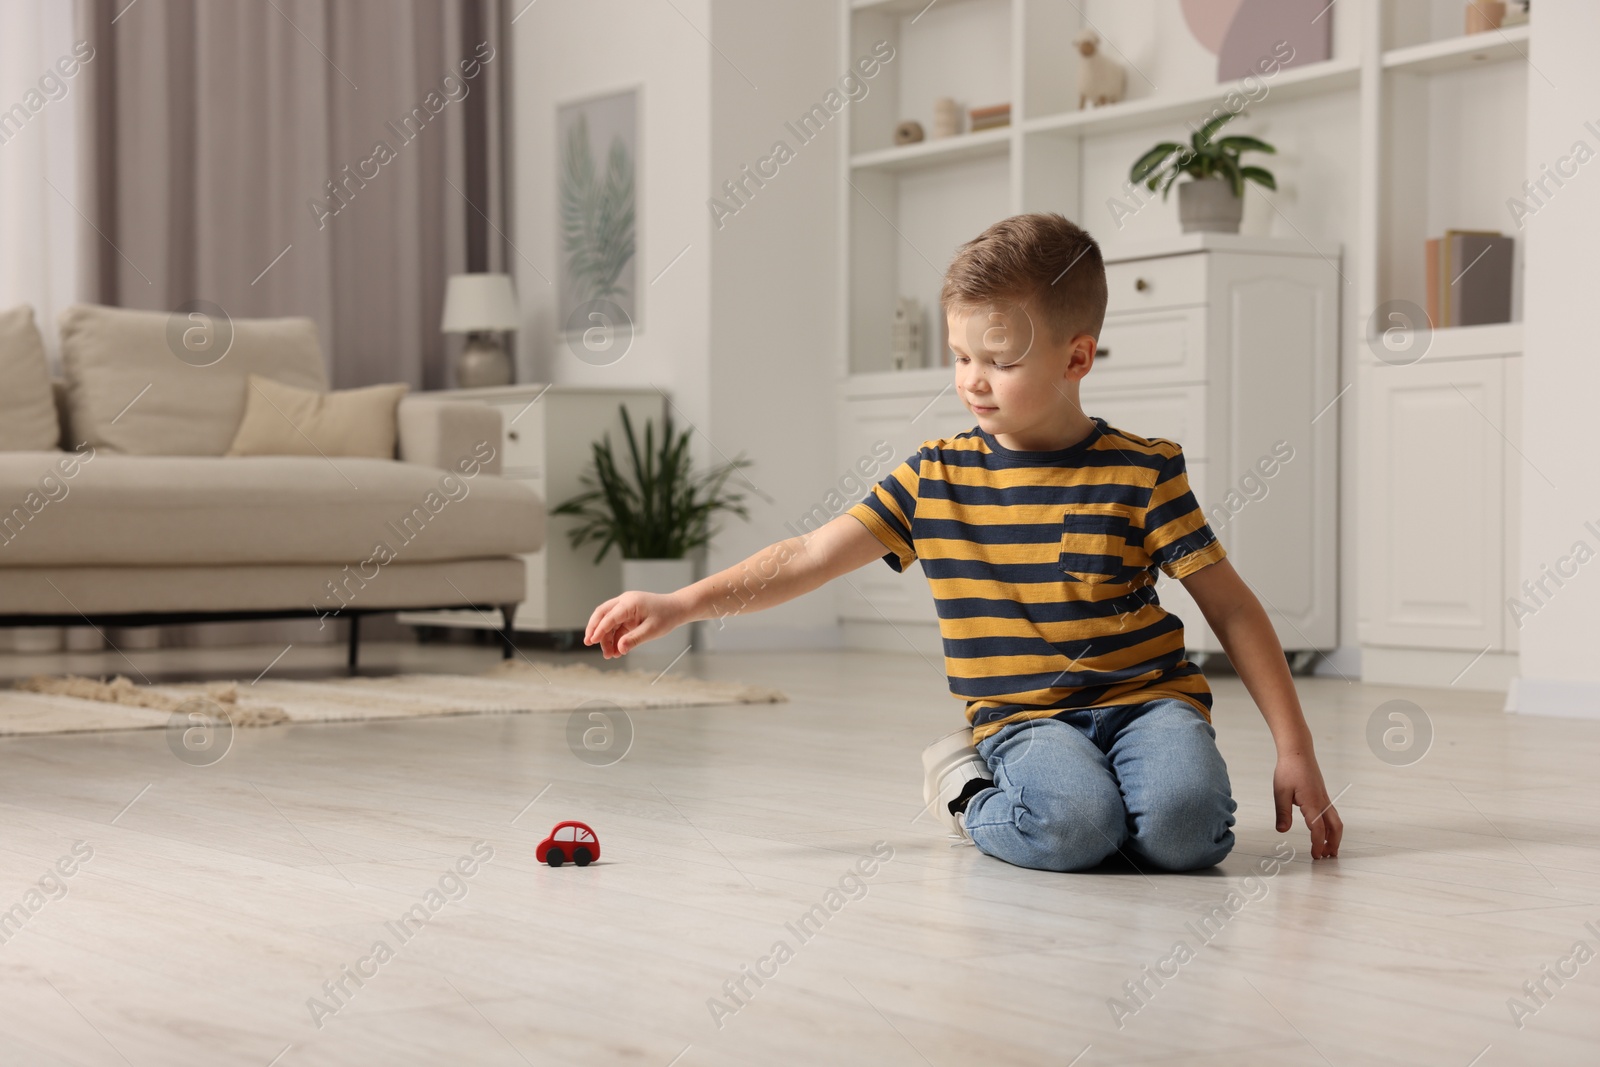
1040	531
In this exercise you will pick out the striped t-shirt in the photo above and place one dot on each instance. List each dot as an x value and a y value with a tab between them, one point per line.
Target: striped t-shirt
1043	568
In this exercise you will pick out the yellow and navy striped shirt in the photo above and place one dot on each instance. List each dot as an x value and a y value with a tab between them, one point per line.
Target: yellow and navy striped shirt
1043	568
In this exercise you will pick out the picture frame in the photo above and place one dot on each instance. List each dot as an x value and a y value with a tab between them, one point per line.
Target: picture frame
597	152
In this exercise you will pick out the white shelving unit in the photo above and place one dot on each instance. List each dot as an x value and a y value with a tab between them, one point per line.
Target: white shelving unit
1444	137
1409	128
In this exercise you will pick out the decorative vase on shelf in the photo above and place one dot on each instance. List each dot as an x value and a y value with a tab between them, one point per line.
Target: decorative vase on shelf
1485	15
1209	205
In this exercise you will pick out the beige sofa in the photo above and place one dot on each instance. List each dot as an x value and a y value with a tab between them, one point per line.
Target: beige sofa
118	507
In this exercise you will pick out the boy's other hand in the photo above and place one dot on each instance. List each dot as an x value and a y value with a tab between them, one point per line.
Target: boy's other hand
1298	782
624	622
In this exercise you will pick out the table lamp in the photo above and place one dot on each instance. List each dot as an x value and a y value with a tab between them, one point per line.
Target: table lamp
481	305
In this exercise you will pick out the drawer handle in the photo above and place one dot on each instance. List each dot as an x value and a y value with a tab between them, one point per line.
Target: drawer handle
512	434
1102	353
1140	284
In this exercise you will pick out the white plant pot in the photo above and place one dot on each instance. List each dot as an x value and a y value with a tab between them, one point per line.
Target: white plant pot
1208	205
660	576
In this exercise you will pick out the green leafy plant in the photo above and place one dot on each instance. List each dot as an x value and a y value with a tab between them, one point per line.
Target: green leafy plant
1203	158
597	216
662	510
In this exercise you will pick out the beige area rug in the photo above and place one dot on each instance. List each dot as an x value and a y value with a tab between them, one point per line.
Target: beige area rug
49	705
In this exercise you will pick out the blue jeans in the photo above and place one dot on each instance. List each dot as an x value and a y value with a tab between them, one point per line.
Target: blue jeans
1144	779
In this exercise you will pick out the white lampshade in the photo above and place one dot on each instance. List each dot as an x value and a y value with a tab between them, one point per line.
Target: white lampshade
479	302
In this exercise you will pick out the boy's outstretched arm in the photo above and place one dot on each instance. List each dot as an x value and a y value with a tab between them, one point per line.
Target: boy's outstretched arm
781	571
1247	636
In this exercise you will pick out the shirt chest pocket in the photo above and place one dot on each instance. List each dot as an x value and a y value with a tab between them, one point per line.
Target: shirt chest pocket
1093	537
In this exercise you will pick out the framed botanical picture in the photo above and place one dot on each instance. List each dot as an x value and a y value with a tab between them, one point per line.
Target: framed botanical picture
597	153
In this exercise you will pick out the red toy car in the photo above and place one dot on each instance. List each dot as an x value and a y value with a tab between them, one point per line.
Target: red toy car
569	840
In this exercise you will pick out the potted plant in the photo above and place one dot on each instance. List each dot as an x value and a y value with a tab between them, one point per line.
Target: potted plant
1213	201
655	514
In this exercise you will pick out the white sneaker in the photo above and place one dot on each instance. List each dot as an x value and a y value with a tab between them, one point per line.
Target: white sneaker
947	766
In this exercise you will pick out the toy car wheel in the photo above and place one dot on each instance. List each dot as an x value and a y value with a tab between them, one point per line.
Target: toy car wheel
555	857
582	857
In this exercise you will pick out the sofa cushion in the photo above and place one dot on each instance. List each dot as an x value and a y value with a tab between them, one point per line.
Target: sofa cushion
201	510
28	420
282	420
130	391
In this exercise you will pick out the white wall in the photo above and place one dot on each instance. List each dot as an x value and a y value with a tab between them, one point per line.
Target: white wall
738	330
566	50
773	303
1560	672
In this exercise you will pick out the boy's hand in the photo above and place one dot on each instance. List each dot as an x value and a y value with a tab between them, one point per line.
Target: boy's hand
1298	781
624	622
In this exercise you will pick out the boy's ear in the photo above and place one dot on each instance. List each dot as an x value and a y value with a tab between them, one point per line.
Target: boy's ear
1081	354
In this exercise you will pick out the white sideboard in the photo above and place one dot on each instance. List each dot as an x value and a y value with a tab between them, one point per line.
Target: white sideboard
547	437
1227	345
1439	506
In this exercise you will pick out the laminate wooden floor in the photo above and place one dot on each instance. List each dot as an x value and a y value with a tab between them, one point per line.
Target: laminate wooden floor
219	900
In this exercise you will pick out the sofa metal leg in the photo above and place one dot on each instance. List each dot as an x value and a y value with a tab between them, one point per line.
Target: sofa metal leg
508	613
355	641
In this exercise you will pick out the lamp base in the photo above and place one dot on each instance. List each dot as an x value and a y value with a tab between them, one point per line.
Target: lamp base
483	363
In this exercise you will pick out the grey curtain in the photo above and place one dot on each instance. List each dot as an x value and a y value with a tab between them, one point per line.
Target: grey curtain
332	158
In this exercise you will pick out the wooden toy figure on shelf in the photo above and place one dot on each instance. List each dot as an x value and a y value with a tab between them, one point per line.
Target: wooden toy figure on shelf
1100	78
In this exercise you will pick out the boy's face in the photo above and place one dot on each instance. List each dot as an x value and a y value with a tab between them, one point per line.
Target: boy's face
1012	376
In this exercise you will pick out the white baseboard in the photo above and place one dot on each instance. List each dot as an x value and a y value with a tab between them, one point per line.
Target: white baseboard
911	638
1342	662
747	638
1438	668
1553	696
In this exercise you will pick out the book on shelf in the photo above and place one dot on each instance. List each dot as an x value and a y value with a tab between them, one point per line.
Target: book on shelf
988	118
1468	277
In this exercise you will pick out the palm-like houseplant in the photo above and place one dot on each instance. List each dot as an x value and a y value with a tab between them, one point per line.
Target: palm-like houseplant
660	509
655	514
1214	199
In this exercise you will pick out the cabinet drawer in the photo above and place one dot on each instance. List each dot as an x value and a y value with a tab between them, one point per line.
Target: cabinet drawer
1147	284
523	439
1155	348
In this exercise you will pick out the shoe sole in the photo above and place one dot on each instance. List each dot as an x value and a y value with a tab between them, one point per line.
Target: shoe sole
947	765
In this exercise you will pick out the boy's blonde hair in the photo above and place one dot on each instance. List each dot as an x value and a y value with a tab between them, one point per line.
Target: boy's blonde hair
1043	259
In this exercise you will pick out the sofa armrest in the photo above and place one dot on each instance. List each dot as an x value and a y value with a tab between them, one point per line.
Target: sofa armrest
436	432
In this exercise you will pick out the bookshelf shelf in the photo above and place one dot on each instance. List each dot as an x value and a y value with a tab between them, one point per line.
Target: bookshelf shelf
936	152
893	7
1329	76
1459	53
1476	342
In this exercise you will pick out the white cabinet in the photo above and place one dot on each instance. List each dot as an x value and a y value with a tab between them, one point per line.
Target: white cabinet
892	409
1229	346
1438	541
547	437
